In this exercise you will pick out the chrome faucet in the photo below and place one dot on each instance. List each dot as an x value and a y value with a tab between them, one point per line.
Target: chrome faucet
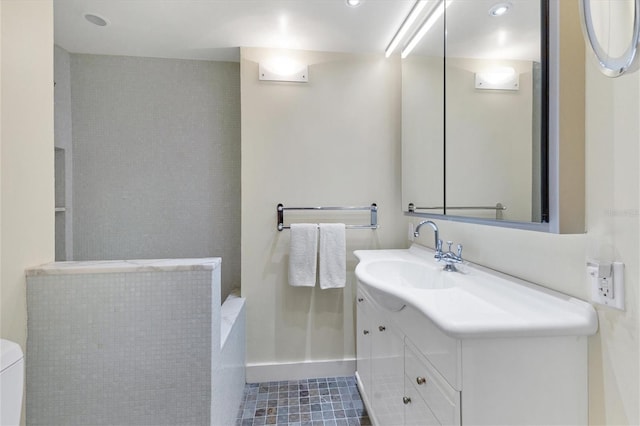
438	244
449	257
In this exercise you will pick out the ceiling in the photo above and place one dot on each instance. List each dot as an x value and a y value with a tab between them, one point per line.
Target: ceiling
214	29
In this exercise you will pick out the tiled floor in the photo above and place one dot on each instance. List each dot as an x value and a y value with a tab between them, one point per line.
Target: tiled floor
333	401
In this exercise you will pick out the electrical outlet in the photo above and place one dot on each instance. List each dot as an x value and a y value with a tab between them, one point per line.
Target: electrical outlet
607	283
605	287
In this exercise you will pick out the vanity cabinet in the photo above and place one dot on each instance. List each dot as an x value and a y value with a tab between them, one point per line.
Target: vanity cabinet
399	384
411	373
380	361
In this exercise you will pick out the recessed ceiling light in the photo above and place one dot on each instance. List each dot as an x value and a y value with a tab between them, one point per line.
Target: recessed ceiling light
354	3
499	9
96	20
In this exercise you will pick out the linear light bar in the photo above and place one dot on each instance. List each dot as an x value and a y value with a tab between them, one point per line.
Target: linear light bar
413	15
433	17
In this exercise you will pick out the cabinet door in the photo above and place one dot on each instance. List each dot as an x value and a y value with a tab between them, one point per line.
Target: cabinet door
387	371
363	343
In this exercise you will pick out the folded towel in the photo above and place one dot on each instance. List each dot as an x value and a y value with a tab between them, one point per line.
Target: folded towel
333	253
303	254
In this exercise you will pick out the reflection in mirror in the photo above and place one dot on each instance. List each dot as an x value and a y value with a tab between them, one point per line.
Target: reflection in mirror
493	111
423	121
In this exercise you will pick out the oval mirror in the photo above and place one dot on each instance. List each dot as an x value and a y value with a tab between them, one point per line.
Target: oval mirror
612	28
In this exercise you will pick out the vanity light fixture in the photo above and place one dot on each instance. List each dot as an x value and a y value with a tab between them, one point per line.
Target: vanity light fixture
433	17
354	3
410	19
283	69
499	9
502	78
96	19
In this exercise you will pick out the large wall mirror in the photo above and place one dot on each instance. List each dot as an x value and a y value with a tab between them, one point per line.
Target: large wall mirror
474	117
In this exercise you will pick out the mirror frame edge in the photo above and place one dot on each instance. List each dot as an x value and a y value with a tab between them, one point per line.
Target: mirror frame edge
567	135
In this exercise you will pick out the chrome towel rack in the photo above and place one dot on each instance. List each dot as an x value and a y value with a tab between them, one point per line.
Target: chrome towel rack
373	209
499	208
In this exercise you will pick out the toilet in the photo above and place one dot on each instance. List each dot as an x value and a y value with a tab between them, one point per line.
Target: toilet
11	382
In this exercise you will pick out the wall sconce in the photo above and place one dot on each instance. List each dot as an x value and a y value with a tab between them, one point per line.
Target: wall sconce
283	69
498	79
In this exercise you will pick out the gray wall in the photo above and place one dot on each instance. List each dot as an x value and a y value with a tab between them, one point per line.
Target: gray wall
63	159
156	160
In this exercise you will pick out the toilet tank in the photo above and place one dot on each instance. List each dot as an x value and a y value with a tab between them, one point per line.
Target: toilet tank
11	382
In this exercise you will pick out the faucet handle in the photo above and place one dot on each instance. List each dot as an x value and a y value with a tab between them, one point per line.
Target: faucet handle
449	244
439	246
460	250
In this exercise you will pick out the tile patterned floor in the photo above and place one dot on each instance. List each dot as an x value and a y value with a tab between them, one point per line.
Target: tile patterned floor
333	401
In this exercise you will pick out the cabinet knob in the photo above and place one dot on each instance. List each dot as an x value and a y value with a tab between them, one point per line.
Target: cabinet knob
365	332
360	299
421	380
382	328
406	400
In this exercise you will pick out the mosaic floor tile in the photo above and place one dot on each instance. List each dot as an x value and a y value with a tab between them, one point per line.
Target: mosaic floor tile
332	401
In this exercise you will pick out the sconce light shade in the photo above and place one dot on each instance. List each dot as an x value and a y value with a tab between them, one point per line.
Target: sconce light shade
283	69
498	79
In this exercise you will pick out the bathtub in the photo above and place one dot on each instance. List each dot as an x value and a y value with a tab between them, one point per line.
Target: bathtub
229	377
134	342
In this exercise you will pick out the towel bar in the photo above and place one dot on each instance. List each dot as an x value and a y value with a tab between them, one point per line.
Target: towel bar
373	208
499	208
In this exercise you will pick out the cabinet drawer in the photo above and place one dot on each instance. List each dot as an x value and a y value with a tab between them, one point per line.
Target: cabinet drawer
442	399
442	351
417	412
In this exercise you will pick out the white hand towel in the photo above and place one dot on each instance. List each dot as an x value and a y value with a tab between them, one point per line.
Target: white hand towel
333	253
303	254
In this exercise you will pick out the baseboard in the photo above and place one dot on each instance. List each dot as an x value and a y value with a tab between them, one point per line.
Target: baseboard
272	372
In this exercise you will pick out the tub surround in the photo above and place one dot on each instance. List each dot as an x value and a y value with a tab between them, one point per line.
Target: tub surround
229	377
133	342
113	266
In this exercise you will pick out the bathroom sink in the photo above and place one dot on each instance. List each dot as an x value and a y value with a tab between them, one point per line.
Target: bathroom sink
405	273
477	303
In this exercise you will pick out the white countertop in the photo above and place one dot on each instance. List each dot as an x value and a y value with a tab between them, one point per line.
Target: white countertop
112	266
476	302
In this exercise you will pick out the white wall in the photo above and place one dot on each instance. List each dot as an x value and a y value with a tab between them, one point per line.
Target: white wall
332	141
27	217
27	153
613	221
